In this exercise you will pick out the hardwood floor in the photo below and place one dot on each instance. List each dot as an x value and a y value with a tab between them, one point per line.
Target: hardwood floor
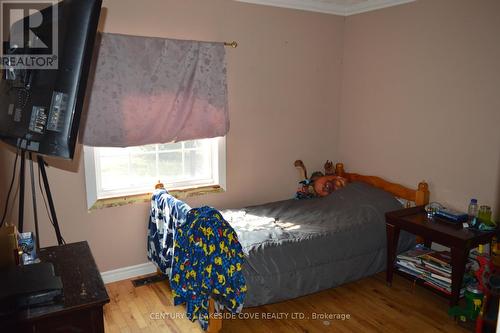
370	304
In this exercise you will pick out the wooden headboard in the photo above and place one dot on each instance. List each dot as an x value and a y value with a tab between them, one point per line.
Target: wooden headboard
420	196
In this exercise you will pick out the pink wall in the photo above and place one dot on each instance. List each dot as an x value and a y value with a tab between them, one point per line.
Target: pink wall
421	97
284	82
406	71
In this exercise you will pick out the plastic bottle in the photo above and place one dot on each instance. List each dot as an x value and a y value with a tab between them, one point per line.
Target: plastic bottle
473	209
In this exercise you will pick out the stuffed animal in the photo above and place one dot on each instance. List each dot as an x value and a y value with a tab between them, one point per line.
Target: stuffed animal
306	188
302	168
315	175
319	184
329	168
325	185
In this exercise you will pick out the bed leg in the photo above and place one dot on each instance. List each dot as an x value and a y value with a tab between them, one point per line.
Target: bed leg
214	324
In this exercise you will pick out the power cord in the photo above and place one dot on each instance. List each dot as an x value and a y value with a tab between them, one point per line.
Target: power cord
10	189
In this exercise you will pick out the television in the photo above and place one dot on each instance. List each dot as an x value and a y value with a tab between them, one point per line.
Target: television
46	56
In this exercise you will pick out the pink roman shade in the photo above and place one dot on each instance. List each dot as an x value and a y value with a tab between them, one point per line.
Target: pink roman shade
154	90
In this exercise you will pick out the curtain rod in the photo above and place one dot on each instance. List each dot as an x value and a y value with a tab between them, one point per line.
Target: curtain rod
232	44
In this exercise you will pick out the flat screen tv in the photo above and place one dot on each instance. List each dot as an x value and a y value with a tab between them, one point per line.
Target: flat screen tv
46	56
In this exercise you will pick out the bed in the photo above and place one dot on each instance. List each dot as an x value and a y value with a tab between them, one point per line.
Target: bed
298	247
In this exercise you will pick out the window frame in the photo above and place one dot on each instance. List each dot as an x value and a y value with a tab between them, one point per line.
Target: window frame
92	177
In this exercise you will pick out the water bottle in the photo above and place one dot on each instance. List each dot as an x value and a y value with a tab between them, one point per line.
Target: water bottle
473	209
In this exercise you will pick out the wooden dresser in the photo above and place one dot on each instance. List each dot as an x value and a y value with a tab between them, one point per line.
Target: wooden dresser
81	309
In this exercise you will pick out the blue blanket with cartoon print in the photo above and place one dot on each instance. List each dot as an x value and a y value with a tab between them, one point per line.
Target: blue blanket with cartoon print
208	262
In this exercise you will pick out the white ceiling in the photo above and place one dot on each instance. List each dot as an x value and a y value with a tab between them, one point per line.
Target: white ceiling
337	7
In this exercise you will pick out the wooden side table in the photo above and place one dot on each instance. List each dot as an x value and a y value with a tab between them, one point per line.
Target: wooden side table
459	240
81	309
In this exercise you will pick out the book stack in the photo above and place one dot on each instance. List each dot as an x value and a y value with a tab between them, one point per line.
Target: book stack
433	267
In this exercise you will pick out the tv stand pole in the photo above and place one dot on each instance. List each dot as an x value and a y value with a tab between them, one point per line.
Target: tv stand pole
33	198
41	166
22	177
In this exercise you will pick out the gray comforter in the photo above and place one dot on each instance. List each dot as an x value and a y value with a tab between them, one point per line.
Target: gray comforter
298	247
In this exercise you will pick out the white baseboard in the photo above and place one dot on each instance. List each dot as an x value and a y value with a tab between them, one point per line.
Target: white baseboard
125	273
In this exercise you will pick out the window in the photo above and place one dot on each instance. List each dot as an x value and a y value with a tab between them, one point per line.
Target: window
115	172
